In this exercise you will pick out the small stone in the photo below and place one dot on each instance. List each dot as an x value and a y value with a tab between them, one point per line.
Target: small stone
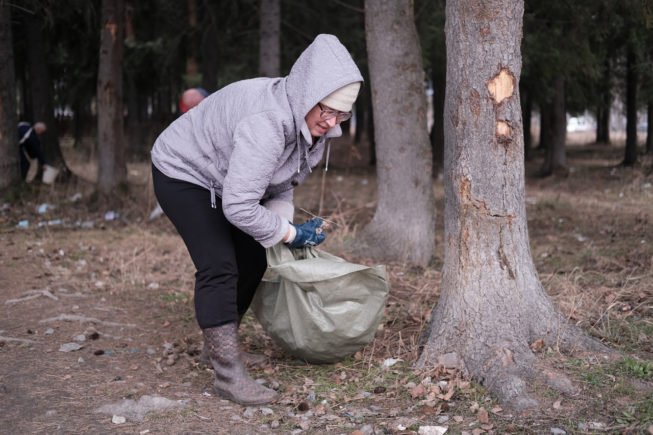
267	411
443	419
432	430
80	338
275	424
557	431
118	419
249	412
80	360
49	331
70	347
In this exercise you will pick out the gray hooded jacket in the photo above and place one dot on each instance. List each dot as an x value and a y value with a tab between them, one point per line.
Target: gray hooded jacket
249	143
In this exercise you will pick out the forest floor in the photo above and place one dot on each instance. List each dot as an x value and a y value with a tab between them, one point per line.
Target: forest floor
97	310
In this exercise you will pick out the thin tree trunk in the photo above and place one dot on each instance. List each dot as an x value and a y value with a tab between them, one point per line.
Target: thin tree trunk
649	128
42	91
546	125
270	38
210	50
630	155
492	304
404	222
438	77
555	162
603	111
9	169
112	165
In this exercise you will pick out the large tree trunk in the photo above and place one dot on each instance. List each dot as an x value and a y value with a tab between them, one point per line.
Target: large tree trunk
527	112
270	38
9	170
112	165
42	90
492	304
555	161
404	223
630	155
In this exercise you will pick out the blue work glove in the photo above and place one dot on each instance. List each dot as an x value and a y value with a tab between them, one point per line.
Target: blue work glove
308	234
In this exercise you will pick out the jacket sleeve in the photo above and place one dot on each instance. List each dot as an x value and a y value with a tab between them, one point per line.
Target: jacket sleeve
259	141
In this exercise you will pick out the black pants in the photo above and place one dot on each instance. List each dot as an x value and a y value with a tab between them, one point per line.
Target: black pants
229	263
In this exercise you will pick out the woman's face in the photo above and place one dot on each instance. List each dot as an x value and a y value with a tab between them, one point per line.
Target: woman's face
316	125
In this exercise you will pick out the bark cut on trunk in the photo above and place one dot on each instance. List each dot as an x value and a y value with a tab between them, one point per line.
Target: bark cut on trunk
404	222
9	169
112	166
492	304
270	38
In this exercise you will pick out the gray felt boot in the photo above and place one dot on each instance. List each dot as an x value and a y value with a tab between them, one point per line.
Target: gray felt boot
249	359
231	379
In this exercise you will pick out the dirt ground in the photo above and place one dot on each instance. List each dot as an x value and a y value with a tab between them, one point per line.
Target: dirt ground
97	309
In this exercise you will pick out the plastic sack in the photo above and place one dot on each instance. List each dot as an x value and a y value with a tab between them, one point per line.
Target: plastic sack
318	307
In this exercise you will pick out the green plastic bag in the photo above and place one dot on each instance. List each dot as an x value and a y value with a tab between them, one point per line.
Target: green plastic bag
317	306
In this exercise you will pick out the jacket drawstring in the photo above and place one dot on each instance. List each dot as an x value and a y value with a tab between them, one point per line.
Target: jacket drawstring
213	194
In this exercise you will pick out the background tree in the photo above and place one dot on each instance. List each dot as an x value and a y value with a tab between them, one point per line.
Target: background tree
270	38
112	165
404	222
492	304
9	173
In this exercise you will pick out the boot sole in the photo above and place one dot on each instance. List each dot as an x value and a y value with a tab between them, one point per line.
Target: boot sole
229	396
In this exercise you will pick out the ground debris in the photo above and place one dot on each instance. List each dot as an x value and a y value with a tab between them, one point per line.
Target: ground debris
70	347
32	294
136	410
84	319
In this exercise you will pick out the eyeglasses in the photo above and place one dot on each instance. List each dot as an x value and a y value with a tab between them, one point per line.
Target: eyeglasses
327	113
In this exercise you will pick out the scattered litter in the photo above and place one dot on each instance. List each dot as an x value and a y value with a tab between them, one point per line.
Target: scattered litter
23	224
389	362
87	225
432	430
80	338
118	419
557	431
49	331
50	223
580	237
43	208
76	197
157	212
70	347
111	215
136	410
80	360
153	285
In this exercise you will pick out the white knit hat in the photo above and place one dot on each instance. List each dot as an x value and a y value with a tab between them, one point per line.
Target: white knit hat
343	98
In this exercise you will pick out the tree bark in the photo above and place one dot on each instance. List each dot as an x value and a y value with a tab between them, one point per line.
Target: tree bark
438	77
492	304
270	38
649	128
9	169
630	155
404	222
555	162
603	111
41	88
527	113
112	165
210	50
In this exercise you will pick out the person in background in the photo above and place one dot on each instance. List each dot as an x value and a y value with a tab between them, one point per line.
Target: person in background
31	152
224	174
191	98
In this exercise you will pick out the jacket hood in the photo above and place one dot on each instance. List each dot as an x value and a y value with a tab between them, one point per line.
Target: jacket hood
322	68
